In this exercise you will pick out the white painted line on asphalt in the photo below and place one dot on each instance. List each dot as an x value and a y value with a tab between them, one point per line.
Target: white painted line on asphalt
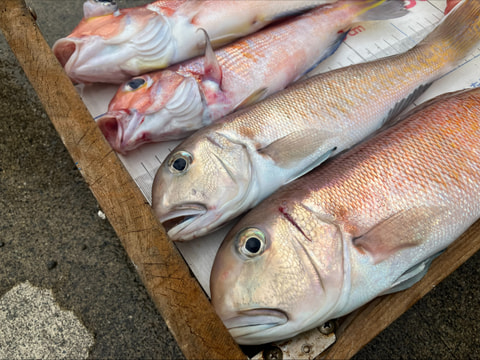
33	326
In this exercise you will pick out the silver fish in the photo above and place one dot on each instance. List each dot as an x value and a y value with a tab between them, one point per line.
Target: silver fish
365	224
226	168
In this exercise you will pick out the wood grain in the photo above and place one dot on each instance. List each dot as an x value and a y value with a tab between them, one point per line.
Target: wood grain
176	293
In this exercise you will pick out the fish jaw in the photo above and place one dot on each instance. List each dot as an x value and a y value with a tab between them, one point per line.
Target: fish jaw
290	285
114	47
217	177
119	128
249	323
180	218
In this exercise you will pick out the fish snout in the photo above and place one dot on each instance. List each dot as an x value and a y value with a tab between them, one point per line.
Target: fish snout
178	221
92	59
112	130
64	50
118	128
247	326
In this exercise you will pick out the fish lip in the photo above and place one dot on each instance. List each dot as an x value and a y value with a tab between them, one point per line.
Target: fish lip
247	323
178	220
112	124
247	318
64	50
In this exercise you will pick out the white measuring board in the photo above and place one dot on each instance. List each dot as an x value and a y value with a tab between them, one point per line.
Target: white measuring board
366	41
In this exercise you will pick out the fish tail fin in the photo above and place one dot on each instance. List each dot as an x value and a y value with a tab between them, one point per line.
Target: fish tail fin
371	10
457	33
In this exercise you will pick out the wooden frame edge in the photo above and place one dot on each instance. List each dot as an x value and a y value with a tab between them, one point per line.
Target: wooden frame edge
181	301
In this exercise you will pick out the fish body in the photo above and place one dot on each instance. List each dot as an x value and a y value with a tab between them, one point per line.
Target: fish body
171	104
230	166
365	224
113	46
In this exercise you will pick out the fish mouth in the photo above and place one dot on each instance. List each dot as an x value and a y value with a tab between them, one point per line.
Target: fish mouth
64	50
92	59
178	221
118	128
249	323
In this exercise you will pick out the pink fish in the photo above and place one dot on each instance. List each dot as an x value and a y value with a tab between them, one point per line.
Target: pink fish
229	166
367	223
111	45
172	103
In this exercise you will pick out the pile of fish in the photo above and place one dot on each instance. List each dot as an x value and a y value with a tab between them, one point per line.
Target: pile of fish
319	240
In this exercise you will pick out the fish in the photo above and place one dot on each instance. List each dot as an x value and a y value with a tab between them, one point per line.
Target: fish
450	5
111	45
171	104
367	223
228	167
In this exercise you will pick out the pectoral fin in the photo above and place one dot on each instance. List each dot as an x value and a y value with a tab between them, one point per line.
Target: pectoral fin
295	147
405	229
412	275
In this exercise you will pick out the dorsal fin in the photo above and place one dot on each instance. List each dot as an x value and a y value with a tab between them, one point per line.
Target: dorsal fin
212	68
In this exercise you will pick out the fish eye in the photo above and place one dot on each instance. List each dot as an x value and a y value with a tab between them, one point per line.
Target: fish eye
179	162
107	2
251	242
134	84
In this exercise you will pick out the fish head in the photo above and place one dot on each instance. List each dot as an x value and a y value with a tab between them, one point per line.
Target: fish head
113	47
158	106
201	184
275	275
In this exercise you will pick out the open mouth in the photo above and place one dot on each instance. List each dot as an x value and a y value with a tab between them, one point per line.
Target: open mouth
177	221
64	49
111	127
121	129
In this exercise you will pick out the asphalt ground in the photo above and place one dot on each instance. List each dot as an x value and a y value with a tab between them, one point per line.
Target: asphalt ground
67	287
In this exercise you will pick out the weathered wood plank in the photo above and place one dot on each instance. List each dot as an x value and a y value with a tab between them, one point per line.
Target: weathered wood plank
176	293
179	298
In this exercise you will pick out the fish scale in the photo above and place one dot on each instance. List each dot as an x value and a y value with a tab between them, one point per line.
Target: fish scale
293	131
370	221
238	74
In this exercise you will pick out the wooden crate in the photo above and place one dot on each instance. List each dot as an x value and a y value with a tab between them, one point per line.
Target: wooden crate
176	293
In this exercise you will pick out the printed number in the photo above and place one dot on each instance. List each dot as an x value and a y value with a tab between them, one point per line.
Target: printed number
475	84
356	30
